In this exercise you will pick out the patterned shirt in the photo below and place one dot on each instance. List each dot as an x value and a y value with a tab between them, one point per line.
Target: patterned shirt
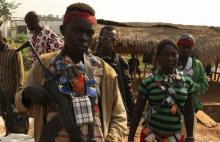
45	42
97	71
164	95
11	69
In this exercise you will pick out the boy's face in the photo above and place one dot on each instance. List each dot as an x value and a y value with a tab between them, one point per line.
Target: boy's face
78	35
108	40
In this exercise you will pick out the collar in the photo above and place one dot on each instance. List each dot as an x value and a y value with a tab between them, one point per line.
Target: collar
158	76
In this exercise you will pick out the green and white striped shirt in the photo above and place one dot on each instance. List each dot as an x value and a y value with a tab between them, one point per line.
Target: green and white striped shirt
160	118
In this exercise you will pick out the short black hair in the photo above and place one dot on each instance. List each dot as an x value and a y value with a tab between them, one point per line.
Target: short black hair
31	15
107	27
163	44
82	7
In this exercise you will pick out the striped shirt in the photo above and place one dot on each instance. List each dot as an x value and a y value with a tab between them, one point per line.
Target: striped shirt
161	118
11	69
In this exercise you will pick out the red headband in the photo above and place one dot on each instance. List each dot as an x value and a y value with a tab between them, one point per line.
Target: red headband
186	42
83	15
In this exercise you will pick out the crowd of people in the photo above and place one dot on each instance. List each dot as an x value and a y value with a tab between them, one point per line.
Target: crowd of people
78	96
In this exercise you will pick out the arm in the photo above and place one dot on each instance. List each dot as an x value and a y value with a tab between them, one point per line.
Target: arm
127	84
137	113
118	123
189	116
19	70
200	81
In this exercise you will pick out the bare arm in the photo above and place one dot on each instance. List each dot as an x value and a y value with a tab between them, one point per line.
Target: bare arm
137	113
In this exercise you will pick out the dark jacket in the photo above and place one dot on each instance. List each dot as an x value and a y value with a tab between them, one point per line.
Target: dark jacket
124	79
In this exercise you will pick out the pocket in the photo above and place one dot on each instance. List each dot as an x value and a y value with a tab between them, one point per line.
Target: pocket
82	110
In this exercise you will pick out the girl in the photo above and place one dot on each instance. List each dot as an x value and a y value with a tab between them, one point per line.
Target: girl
169	96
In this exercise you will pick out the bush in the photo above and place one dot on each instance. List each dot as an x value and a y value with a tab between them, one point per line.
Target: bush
20	40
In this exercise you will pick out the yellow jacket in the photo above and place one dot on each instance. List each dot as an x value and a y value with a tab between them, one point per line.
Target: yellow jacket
113	111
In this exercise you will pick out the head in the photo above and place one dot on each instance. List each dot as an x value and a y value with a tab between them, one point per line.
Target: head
2	41
107	39
32	21
186	43
78	28
167	54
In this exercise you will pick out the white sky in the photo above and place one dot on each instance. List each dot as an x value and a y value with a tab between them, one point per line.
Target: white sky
193	12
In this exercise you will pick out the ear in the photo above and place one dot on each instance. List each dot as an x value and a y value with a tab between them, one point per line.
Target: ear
62	27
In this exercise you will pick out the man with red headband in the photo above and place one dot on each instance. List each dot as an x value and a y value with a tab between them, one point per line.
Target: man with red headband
86	83
192	67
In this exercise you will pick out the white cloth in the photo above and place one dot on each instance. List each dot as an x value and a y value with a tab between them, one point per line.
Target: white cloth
17	138
188	70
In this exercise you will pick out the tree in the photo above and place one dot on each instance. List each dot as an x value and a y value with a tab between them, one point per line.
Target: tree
6	11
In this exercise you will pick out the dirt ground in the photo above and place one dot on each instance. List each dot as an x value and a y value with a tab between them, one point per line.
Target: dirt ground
203	134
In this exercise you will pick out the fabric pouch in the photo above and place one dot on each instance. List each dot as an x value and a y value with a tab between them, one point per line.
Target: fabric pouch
82	110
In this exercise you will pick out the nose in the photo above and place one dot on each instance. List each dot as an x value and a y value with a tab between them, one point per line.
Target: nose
84	37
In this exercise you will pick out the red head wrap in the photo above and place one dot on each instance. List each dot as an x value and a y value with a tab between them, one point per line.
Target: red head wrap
83	15
186	40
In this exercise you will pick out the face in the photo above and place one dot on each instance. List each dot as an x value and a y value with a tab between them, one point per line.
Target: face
108	40
168	58
32	24
185	51
78	35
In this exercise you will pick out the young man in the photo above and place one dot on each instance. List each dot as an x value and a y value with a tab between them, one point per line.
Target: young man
77	74
106	50
192	67
43	39
11	78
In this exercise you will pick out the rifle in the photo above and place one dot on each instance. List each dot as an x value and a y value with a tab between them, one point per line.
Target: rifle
58	102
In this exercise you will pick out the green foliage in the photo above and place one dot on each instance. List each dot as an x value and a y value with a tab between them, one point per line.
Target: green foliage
20	40
26	59
6	7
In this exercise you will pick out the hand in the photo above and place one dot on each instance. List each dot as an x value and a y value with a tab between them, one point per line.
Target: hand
35	94
189	139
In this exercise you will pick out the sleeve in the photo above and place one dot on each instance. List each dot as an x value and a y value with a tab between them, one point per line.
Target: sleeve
19	70
190	83
54	42
201	83
118	123
127	79
35	77
143	87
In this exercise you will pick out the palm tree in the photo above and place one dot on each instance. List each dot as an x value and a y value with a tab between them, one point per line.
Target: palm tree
5	11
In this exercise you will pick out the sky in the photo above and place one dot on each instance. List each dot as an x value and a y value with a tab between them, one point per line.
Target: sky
188	12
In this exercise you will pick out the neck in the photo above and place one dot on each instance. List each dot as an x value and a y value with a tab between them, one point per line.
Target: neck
168	72
38	30
75	57
183	60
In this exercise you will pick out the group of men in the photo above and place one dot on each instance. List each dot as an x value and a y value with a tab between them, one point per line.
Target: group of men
79	96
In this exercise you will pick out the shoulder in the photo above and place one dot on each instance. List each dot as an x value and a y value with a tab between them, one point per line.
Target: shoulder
107	69
197	62
148	80
48	57
122	59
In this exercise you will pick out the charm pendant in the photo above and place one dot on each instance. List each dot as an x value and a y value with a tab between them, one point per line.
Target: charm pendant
173	109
